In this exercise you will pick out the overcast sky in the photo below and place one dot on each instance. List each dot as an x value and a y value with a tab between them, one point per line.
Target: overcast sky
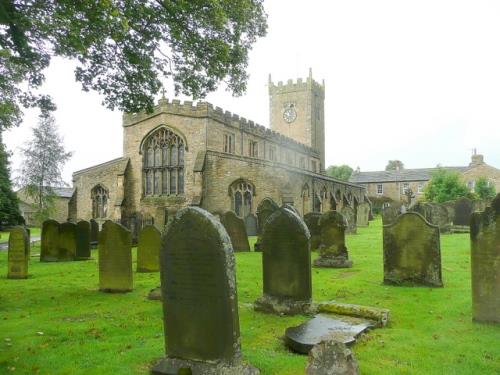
417	81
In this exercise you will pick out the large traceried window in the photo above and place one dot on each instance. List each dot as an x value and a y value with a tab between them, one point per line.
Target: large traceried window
100	197
163	163
241	193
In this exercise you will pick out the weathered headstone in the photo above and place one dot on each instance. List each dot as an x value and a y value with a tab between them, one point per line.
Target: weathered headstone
350	216
390	214
82	240
333	251
200	303
412	252
463	211
18	253
286	264
330	357
49	249
363	214
265	209
251	224
424	209
148	249
67	241
485	263
94	232
292	208
235	228
440	217
312	221
115	258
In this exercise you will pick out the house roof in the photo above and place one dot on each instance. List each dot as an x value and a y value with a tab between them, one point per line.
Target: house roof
419	174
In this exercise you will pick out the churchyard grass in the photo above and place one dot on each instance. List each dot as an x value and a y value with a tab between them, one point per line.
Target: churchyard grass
56	322
4	235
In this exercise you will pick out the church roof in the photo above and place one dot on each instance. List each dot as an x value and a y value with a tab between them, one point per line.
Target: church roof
121	163
419	174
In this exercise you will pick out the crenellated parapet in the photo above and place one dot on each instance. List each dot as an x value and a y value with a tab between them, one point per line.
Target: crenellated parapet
296	85
204	109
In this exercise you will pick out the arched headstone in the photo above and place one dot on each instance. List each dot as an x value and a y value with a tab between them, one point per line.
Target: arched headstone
251	224
390	214
115	258
18	253
286	262
265	209
235	227
350	217
148	249
463	211
485	263
312	221
67	241
82	240
412	252
333	251
200	303
363	214
49	249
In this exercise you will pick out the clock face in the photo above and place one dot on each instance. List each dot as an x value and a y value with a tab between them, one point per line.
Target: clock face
289	114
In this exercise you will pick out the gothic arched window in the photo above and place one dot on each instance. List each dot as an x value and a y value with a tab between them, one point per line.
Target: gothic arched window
241	193
163	163
100	197
305	199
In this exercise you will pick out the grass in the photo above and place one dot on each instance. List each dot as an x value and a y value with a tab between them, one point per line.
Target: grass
4	236
88	332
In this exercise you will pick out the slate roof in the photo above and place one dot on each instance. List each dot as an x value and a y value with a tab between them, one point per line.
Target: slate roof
419	174
121	161
63	192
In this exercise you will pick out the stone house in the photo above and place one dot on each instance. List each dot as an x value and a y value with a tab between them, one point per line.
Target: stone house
183	154
62	199
392	185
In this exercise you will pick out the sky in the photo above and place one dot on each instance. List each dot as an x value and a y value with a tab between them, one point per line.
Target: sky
417	81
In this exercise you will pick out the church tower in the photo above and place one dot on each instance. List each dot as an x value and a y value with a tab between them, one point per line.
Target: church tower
297	110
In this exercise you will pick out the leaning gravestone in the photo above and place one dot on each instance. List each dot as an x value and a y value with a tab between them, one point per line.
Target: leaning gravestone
265	209
67	241
463	211
312	221
115	258
148	249
412	251
363	214
235	228
333	252
49	249
251	224
94	232
200	304
485	263
350	216
286	264
18	253
82	240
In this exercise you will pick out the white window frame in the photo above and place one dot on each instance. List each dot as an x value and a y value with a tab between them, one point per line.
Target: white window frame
381	190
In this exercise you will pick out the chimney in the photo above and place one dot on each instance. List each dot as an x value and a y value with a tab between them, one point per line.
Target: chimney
476	159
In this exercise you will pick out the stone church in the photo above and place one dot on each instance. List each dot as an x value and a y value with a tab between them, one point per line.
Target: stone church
199	155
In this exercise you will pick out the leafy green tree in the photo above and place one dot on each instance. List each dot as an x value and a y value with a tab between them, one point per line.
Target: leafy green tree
43	158
124	48
444	186
394	165
341	172
9	207
484	189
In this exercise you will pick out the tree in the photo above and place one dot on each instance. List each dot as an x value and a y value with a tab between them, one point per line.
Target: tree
444	186
484	189
394	165
124	48
9	207
340	172
43	158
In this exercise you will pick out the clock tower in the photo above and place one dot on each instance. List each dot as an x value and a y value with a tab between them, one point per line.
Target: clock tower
297	110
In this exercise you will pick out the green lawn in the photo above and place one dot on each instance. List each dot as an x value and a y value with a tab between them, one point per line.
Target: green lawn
4	236
88	332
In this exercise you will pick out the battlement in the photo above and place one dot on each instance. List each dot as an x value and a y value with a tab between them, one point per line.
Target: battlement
204	109
298	85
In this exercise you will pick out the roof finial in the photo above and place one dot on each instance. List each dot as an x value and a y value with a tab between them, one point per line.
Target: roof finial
163	92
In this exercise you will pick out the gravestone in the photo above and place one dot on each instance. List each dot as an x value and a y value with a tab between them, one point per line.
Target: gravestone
333	251
235	228
148	249
200	304
331	357
312	221
49	248
265	209
115	258
251	224
412	251
463	211
424	209
18	253
350	216
485	263
291	207
363	214
94	232
440	217
390	214
67	241
82	240
286	263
